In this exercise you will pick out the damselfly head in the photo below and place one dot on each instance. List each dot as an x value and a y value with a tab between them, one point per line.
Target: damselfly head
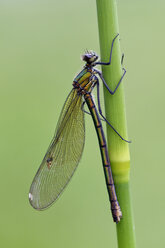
89	57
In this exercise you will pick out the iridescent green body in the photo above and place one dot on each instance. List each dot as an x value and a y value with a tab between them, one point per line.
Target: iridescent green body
83	83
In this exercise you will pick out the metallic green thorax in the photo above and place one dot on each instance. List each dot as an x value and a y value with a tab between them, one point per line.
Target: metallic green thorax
83	74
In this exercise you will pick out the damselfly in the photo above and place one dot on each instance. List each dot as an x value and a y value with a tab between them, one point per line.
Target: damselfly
65	150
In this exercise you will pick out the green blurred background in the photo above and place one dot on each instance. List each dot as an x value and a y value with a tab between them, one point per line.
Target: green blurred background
40	47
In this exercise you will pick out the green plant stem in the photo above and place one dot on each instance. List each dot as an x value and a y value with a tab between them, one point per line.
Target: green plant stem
115	113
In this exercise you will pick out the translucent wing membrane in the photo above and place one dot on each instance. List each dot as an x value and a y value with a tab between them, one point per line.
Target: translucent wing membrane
63	155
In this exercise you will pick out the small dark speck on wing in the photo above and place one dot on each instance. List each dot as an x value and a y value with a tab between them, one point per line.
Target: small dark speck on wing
49	162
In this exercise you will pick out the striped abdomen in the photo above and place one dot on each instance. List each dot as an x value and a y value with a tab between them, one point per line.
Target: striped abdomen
115	208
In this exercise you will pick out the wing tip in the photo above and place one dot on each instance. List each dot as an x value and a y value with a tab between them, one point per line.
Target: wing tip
31	200
34	205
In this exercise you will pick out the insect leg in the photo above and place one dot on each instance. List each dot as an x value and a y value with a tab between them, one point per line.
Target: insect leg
103	80
82	108
109	62
100	111
86	112
122	58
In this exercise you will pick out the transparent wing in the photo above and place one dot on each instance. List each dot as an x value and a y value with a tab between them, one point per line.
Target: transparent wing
62	157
